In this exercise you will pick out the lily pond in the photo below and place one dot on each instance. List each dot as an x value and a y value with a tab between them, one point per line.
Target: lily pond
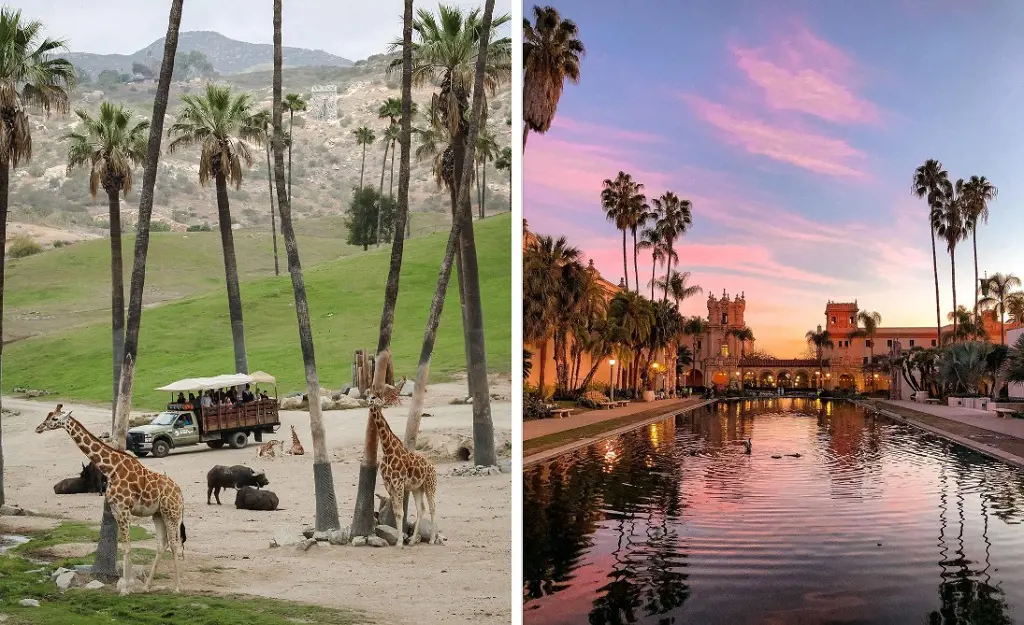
834	516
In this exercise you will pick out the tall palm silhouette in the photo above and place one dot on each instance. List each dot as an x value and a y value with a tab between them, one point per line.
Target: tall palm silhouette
932	182
625	204
948	223
978	193
673	218
552	52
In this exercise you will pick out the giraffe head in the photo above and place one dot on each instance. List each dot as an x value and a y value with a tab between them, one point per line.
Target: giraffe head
55	420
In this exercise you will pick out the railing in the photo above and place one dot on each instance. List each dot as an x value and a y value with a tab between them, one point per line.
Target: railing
249	414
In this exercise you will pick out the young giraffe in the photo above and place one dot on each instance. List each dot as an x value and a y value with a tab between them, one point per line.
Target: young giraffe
296	449
266	450
403	470
132	490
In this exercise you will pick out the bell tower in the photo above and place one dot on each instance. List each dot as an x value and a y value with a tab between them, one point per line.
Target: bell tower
841	317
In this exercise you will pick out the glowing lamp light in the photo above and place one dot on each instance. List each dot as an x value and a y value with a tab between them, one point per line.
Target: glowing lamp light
611	361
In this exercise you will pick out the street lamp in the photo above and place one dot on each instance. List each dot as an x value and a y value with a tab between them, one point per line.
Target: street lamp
611	376
828	377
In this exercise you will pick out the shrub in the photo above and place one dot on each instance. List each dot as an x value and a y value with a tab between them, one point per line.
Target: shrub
593	399
534	408
159	226
199	228
23	246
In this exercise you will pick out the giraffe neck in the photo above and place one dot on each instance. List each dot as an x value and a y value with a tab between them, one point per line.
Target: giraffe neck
388	440
103	456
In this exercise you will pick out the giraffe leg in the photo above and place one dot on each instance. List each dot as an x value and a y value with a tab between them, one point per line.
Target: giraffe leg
397	499
174	540
433	523
161	545
123	517
420	510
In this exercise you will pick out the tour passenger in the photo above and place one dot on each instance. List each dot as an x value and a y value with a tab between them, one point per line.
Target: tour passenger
181	398
247	394
207	401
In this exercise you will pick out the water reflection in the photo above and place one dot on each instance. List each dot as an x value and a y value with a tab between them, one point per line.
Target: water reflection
857	520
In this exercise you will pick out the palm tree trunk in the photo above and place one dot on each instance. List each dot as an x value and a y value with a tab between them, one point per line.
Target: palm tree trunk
231	274
625	266
542	368
483	427
654	267
5	173
362	517
291	126
273	217
952	266
974	243
104	566
668	275
391	183
938	311
116	292
380	195
526	129
323	480
479	198
483	192
636	271
362	168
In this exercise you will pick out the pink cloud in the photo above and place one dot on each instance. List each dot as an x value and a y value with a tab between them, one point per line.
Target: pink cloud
806	74
602	131
805	149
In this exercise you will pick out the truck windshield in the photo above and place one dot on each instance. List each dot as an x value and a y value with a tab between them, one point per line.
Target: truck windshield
164	418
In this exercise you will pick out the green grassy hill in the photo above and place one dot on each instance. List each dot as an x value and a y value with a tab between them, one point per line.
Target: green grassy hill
192	337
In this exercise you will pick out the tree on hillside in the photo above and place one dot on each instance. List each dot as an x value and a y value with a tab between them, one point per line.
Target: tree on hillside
30	74
104	566
264	120
932	182
193	64
552	52
111	146
367	209
486	150
391	135
504	163
142	70
293	103
446	52
978	192
323	480
391	109
221	123
364	137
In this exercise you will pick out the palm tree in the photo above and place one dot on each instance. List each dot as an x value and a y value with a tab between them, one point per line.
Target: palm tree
674	218
112	146
696	327
504	163
364	137
978	192
870	321
743	335
265	121
653	239
391	109
221	123
30	74
293	103
677	286
1001	297
948	223
932	182
623	203
633	315
104	566
486	150
551	54
1015	308
961	367
819	339
391	135
543	277
323	481
1013	370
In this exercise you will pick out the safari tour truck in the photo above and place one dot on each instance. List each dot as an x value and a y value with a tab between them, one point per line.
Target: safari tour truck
190	423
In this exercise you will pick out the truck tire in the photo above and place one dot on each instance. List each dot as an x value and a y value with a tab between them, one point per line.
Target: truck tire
215	444
141	454
161	448
239	440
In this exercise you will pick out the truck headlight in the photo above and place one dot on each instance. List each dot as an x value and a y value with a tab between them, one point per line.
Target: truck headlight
148	438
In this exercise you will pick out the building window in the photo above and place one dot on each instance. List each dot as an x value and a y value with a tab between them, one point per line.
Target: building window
851	320
725	319
911	342
933	342
699	345
865	360
869	343
833	320
888	343
725	350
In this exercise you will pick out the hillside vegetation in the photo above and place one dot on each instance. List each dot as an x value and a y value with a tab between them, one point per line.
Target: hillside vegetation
192	337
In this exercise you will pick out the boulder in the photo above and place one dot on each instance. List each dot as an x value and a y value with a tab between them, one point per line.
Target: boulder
28	603
95	585
388	533
308	531
291	403
359	541
354	393
505	466
345	389
339	536
408	389
376	541
285	538
306	544
56	573
65	580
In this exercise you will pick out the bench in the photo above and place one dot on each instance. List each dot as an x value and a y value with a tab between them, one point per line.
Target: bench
558	413
1004	412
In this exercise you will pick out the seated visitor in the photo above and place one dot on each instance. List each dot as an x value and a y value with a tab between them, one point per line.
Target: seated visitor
181	398
191	398
247	394
263	395
207	400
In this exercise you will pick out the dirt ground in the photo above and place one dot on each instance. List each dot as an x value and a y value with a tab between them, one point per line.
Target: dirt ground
466	580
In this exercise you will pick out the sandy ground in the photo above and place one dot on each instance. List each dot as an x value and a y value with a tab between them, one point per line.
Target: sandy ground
465	581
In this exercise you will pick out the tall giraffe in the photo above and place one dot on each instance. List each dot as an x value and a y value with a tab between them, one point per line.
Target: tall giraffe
403	470
132	490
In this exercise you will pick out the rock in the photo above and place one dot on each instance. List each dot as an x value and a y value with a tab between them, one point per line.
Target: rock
85	569
28	603
65	580
354	393
306	544
346	403
291	403
324	392
505	466
285	539
95	585
320	537
336	395
359	541
376	541
345	389
55	574
388	533
339	536
408	389
7	510
308	531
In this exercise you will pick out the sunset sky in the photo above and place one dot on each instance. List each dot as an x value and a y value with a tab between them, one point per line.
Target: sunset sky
795	131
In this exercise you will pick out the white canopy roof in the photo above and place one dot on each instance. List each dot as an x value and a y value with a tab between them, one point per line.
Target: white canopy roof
220	381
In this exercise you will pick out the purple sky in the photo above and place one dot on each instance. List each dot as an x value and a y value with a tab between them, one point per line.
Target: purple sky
795	131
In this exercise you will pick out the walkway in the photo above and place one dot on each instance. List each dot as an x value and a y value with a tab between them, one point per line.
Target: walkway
981	430
545	438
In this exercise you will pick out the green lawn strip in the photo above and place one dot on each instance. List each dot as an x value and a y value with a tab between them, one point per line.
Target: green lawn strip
551	441
192	338
87	607
71	532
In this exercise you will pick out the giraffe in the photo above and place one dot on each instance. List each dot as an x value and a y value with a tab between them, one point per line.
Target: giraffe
266	450
296	448
403	470
132	490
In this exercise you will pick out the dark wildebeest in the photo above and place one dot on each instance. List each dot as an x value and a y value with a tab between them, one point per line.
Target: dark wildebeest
248	498
232	477
90	480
